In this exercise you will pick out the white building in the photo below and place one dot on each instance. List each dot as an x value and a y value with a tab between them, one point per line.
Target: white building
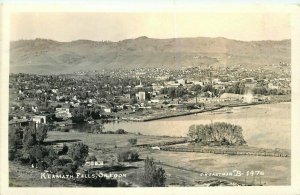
141	96
39	119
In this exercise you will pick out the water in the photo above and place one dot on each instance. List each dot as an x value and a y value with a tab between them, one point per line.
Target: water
267	126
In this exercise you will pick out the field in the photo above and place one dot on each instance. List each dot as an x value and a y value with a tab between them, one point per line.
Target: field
25	176
182	168
276	170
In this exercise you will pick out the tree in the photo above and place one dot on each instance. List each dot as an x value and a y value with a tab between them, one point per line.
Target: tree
64	150
180	91
121	131
196	88
153	176
15	137
132	141
127	156
223	133
99	128
206	88
79	114
37	153
34	134
172	92
15	141
50	158
41	133
29	137
133	100
78	152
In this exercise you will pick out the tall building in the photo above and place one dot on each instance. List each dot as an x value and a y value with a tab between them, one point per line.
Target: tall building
141	96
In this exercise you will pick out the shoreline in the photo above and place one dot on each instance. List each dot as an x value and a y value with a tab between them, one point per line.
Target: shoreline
146	119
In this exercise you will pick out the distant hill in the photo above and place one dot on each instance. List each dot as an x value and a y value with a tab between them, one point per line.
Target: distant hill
48	56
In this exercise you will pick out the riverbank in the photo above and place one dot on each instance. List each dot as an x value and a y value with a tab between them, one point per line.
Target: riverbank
264	125
185	113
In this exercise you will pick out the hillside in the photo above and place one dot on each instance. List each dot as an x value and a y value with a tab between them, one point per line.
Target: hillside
48	56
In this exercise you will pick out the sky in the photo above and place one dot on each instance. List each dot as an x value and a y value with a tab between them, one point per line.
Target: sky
119	26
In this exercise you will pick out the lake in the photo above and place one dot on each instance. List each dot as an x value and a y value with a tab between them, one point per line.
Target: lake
265	125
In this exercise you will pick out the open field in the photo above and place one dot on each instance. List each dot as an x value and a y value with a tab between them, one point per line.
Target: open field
108	140
272	167
276	170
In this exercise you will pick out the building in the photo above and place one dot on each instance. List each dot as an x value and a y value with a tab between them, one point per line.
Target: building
94	163
181	82
156	87
127	95
250	85
140	86
107	110
141	96
63	112
231	97
272	86
39	119
19	123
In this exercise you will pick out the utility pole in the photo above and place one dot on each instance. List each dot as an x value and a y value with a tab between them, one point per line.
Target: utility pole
51	178
245	177
259	179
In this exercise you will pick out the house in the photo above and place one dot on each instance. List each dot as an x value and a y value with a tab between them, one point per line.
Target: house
141	96
181	82
39	119
63	112
107	110
272	86
155	148
171	84
94	163
127	96
19	122
154	101
34	108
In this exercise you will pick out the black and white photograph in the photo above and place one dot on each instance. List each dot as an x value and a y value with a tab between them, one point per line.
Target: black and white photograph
167	98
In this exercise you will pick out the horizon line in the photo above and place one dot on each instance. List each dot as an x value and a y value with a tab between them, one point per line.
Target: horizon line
146	37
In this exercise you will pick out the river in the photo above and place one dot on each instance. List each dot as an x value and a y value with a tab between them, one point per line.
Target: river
265	125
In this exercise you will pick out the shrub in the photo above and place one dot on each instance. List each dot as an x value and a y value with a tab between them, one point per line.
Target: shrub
153	176
121	131
78	153
99	128
127	156
64	150
132	141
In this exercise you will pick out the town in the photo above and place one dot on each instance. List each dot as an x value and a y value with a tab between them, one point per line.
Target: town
141	93
49	110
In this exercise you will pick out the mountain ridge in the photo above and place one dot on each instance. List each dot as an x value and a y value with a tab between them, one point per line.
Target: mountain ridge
46	55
